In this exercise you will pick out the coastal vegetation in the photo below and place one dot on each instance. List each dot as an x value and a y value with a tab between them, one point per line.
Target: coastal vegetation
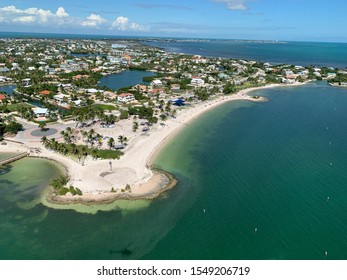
341	78
59	186
79	152
9	126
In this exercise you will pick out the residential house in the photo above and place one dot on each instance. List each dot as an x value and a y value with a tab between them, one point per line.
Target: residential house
175	86
156	83
141	88
196	81
45	92
331	75
125	97
110	94
2	98
40	112
26	82
62	99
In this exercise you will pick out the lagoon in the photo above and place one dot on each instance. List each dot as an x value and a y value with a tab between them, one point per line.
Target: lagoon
125	79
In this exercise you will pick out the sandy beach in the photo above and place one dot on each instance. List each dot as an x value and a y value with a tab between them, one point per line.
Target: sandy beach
96	179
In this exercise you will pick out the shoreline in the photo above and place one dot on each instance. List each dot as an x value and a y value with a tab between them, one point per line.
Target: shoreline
167	179
103	181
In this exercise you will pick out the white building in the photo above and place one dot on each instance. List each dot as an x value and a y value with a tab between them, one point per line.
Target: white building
26	82
125	97
197	81
40	112
156	83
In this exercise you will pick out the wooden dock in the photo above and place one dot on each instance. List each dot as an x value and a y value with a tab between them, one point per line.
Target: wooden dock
13	158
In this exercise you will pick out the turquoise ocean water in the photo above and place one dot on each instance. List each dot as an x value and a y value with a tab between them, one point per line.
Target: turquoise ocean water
256	181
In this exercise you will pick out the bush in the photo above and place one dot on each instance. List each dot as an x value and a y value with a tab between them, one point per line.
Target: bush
13	127
63	191
127	188
75	191
59	182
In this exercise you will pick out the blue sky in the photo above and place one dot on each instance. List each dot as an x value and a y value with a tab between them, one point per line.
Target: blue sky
296	20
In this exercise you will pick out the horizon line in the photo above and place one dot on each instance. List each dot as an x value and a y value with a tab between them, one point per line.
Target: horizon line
162	37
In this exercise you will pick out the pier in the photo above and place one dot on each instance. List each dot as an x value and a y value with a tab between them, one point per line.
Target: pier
13	158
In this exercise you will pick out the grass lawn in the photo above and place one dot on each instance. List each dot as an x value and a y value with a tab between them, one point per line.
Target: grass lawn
104	107
15	107
109	154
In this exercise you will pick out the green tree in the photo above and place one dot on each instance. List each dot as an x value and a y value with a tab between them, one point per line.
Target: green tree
110	143
163	117
124	114
121	139
42	126
13	127
229	88
135	126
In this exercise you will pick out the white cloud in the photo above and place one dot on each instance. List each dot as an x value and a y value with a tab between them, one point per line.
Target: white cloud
11	14
93	21
234	4
46	18
123	24
120	23
9	9
25	19
61	12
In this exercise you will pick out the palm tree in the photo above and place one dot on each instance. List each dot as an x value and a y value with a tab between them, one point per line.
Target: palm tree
69	130
135	126
91	137
79	119
101	115
85	136
163	117
110	142
125	140
64	150
42	126
121	139
53	144
73	149
67	138
168	106
84	154
44	141
161	103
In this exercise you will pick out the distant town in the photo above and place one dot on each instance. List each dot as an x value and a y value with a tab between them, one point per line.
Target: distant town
65	74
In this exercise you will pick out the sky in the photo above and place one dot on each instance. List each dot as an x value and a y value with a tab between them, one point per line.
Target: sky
291	20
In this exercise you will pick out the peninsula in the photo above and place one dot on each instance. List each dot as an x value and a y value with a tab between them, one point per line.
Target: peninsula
61	112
